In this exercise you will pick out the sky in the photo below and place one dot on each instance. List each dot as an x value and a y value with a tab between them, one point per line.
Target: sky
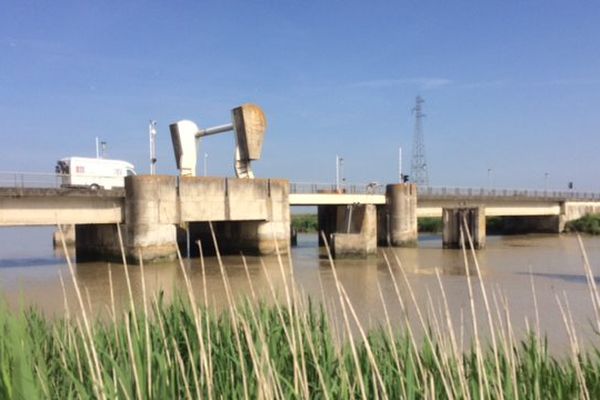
511	88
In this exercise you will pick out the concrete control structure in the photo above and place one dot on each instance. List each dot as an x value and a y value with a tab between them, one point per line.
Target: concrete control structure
162	211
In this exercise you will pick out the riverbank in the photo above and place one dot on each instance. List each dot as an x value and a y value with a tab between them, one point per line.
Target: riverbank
589	224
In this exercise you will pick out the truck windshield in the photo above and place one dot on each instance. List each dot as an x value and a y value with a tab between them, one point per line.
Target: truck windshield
62	167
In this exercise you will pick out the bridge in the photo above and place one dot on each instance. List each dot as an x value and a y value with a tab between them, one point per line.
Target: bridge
158	212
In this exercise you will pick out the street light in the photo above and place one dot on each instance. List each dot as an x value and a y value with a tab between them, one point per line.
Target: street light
546	181
489	178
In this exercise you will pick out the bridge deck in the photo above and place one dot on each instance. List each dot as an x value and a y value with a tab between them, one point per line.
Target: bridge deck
49	206
52	206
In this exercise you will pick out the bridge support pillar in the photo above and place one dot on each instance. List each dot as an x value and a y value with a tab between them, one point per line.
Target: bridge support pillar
151	212
351	231
452	219
150	215
401	204
69	236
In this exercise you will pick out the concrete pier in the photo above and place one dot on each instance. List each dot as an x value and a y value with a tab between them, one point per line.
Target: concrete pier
452	219
151	215
68	233
351	231
401	205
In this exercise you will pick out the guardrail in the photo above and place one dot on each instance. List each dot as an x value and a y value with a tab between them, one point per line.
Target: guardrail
456	192
346	188
444	192
22	180
30	179
18	179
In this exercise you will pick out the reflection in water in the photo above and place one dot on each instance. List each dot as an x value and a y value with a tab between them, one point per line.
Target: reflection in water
508	265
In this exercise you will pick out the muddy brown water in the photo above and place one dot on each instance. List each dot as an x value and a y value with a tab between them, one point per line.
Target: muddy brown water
30	272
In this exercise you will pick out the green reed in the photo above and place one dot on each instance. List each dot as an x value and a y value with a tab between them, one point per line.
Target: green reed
43	358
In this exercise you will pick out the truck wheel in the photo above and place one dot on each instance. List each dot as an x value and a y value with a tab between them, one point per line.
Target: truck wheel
94	186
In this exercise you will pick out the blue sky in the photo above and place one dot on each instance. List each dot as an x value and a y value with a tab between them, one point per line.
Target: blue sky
509	85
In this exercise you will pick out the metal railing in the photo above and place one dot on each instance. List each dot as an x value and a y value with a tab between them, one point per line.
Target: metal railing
345	188
41	180
20	179
12	179
445	192
459	192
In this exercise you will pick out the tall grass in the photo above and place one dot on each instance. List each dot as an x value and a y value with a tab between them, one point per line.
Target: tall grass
286	347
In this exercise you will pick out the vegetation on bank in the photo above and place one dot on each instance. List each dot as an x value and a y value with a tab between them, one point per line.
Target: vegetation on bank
178	350
308	223
305	223
589	223
429	224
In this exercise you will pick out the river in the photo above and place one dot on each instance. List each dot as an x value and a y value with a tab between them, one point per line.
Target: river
30	271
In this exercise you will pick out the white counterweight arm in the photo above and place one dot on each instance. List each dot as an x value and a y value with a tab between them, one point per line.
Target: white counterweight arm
249	124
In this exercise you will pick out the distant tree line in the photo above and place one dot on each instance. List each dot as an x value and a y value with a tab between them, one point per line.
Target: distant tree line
589	223
305	223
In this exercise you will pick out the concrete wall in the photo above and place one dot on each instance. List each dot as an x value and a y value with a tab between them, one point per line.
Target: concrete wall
248	215
151	212
350	230
220	199
573	210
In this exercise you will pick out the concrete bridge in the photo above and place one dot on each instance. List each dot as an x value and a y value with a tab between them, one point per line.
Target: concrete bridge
158	212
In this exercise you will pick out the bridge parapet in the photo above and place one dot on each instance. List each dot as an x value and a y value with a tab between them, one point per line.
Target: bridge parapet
483	193
431	192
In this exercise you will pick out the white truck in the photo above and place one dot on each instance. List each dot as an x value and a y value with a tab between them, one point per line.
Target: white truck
93	173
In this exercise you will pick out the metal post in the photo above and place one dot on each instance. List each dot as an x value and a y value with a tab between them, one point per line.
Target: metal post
337	173
214	130
400	164
545	181
103	149
489	179
350	208
152	133
205	164
187	240
342	179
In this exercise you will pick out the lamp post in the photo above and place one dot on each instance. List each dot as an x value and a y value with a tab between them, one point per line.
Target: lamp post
205	164
152	135
339	161
489	178
546	181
